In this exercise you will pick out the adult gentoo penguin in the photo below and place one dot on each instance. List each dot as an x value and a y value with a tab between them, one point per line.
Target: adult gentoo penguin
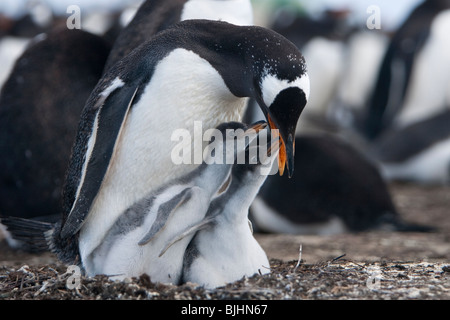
198	70
40	106
223	248
154	16
413	81
133	244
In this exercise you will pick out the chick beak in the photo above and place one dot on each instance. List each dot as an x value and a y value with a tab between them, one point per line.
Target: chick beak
257	126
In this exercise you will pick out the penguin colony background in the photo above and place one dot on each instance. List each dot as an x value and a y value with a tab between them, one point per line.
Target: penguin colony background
377	112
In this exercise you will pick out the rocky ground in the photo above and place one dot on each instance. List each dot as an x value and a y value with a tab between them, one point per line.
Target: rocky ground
367	266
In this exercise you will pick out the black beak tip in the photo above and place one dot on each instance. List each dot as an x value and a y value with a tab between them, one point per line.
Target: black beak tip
290	172
290	156
290	167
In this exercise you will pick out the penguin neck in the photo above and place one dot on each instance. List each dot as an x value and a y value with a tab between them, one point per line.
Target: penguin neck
241	193
212	176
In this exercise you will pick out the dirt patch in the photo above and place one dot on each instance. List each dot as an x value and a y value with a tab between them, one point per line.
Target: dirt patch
369	265
333	280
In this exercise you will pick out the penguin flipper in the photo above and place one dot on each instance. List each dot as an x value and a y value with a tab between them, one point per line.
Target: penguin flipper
110	118
197	227
165	211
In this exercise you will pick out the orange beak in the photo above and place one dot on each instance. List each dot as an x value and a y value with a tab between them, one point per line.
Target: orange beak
282	148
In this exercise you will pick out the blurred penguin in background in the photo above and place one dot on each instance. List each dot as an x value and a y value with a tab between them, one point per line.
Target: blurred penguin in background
334	190
154	16
407	118
419	152
40	105
414	80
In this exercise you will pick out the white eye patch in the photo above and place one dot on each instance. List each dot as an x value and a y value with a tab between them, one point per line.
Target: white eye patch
271	86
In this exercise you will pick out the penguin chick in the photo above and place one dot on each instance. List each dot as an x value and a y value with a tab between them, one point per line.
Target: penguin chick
223	249
132	245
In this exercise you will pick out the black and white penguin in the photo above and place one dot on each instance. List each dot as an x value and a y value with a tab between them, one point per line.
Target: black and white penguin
197	71
154	16
223	248
335	189
133	244
40	105
413	80
419	152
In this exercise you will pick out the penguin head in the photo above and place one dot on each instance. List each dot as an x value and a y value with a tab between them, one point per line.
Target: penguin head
282	91
229	140
258	161
261	64
282	103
